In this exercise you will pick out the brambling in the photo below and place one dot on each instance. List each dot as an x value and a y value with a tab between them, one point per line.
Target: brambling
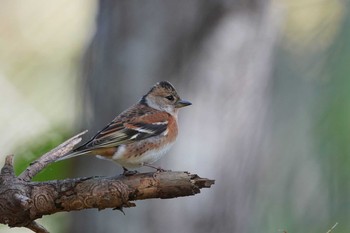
140	135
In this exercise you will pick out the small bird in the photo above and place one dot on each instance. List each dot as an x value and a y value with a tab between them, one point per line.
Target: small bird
140	135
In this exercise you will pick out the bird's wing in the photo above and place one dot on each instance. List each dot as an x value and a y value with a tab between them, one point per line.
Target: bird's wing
125	130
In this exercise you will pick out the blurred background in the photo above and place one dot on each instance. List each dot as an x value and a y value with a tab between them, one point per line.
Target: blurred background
270	120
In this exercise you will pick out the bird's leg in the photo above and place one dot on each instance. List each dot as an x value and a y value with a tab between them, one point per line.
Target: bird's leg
159	169
127	172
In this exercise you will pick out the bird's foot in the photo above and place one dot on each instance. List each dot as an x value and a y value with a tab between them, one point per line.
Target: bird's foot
127	172
159	169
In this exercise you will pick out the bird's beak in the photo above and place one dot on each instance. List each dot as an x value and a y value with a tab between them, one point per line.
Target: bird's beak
182	103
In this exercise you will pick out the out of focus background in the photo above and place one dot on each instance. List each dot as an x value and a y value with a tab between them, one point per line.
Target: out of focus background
270	120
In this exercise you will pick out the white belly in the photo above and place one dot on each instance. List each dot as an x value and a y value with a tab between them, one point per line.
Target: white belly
148	157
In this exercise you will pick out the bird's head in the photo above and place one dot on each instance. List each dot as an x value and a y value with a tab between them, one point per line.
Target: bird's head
163	96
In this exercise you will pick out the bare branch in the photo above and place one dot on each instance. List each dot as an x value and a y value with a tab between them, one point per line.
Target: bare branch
111	192
39	164
23	201
7	169
36	227
334	226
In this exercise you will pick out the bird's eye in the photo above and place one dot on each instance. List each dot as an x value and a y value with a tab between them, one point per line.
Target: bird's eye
170	97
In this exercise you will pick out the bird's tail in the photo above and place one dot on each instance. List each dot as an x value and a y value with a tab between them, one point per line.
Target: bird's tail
72	154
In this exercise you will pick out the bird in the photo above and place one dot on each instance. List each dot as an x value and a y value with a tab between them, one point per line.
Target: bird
140	135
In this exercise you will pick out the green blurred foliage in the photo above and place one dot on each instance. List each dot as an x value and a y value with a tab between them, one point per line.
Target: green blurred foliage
308	182
39	146
332	130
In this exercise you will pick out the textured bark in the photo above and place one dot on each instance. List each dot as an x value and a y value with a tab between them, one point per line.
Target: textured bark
23	201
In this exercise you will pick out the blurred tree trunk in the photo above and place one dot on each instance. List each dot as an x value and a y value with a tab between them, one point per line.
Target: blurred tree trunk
218	55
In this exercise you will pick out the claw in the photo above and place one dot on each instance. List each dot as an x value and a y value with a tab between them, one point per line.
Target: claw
127	172
120	209
159	169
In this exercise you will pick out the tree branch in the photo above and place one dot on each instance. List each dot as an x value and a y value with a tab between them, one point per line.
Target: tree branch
23	201
51	156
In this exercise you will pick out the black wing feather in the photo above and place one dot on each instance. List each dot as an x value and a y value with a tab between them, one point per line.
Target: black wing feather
118	133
